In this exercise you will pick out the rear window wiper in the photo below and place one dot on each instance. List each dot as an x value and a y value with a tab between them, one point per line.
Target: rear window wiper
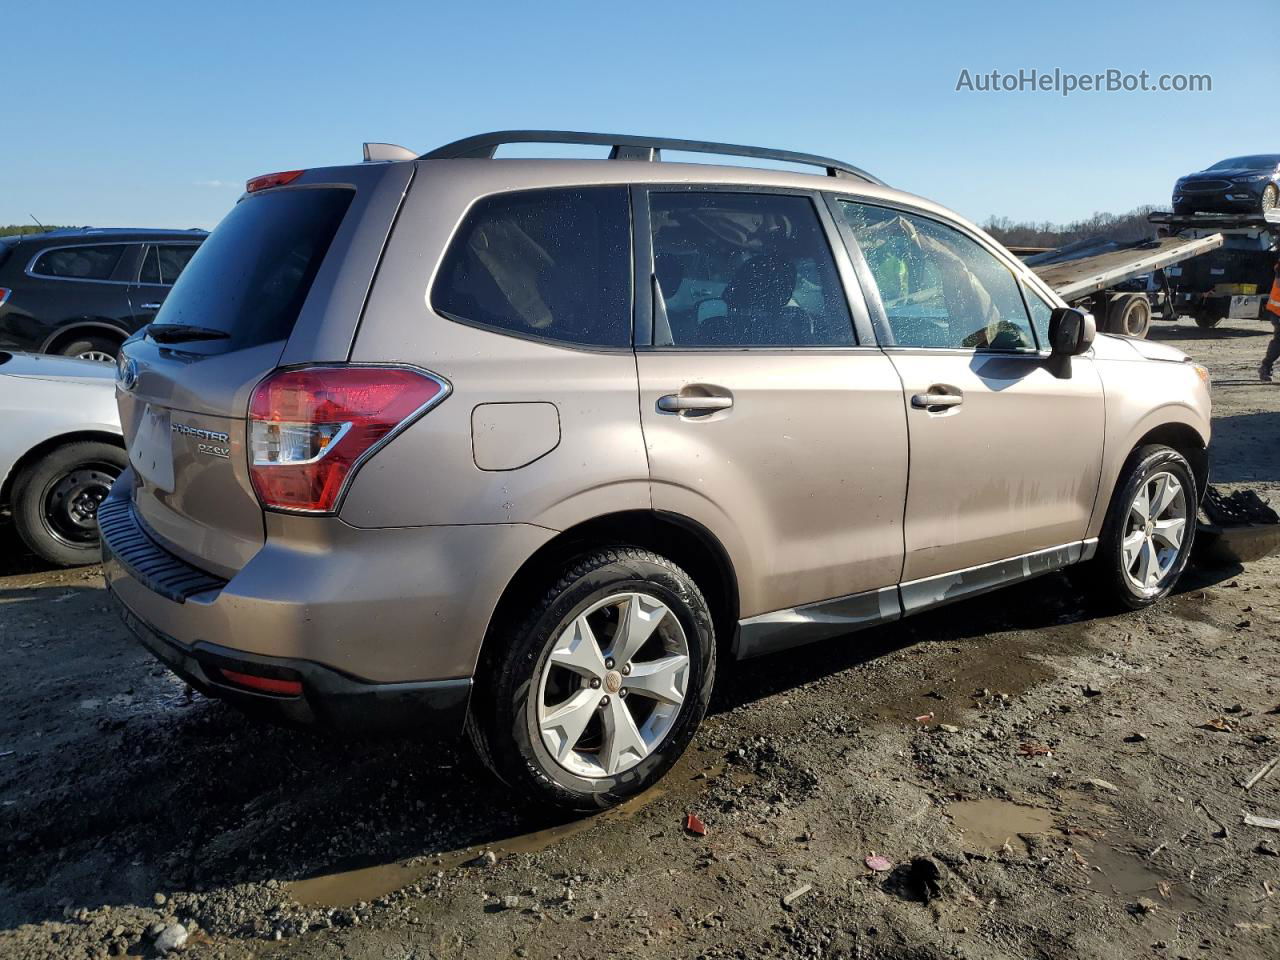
176	333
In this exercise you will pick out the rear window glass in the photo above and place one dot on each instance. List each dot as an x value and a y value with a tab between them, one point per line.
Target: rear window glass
554	264
251	276
79	263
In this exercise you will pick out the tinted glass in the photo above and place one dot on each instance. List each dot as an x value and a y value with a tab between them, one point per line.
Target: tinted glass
746	270
80	263
544	263
1255	162
939	288
174	259
150	272
252	274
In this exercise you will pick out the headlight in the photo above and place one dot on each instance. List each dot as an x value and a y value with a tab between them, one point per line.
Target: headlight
1252	178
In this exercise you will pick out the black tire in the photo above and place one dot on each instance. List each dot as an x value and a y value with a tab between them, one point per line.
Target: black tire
1129	315
1107	572
502	721
91	348
1206	320
56	497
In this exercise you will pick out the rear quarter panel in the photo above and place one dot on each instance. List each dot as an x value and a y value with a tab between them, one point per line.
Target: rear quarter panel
429	475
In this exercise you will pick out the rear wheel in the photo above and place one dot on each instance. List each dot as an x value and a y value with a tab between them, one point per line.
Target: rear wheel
98	349
56	499
1150	526
1129	314
599	691
1206	319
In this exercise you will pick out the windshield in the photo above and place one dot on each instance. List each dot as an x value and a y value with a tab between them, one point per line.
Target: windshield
246	284
1255	162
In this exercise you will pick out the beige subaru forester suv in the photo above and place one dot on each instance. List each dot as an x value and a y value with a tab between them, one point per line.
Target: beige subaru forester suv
524	446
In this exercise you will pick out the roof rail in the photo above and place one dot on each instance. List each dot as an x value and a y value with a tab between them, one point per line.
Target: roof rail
630	147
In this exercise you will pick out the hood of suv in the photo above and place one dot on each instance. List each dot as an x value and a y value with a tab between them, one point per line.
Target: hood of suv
1108	346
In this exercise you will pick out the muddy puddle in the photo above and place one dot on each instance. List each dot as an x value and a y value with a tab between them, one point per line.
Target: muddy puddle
1123	873
347	887
988	824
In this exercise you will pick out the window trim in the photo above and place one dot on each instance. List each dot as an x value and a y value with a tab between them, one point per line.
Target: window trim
31	264
880	319
434	279
147	247
860	318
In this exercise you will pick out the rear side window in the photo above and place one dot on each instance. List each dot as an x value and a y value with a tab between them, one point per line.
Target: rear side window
746	270
251	276
79	263
553	264
164	263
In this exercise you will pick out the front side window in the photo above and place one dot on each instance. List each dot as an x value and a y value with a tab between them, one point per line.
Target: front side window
1041	312
553	264
79	263
746	270
939	288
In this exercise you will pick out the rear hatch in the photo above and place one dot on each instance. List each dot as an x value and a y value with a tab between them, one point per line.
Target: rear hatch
282	280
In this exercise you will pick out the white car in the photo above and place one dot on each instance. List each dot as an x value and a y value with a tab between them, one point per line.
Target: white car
60	451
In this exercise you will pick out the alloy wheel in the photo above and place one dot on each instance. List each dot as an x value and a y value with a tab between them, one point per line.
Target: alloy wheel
613	684
97	356
1155	530
1270	197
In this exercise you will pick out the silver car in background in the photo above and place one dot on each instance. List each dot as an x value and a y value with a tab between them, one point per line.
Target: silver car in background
60	451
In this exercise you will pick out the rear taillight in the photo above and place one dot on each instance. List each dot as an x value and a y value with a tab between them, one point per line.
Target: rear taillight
310	429
268	180
273	685
4	295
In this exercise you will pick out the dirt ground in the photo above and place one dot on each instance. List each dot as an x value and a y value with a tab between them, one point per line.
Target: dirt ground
1043	782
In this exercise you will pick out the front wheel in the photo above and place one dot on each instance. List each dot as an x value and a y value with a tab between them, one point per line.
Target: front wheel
1150	526
599	691
1270	197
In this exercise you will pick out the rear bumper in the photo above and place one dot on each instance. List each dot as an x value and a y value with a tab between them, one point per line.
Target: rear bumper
329	699
382	627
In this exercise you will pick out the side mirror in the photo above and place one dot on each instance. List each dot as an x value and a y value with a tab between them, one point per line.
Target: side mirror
1071	331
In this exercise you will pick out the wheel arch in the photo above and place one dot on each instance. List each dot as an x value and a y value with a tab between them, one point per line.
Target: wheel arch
680	539
1187	441
76	328
47	446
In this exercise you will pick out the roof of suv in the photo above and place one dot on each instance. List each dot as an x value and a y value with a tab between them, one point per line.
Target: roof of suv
108	233
638	159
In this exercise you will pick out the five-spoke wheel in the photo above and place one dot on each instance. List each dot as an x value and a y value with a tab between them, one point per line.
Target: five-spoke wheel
597	692
1156	527
613	684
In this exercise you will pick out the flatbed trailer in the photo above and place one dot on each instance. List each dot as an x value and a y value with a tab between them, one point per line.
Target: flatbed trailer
1232	282
1102	276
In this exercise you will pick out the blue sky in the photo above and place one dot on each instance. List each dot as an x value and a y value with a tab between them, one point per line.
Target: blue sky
154	114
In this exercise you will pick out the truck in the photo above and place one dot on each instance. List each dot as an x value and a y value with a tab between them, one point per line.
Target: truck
1231	282
1123	284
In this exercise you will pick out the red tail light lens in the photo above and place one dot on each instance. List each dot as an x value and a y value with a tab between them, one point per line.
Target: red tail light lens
268	180
310	429
272	685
